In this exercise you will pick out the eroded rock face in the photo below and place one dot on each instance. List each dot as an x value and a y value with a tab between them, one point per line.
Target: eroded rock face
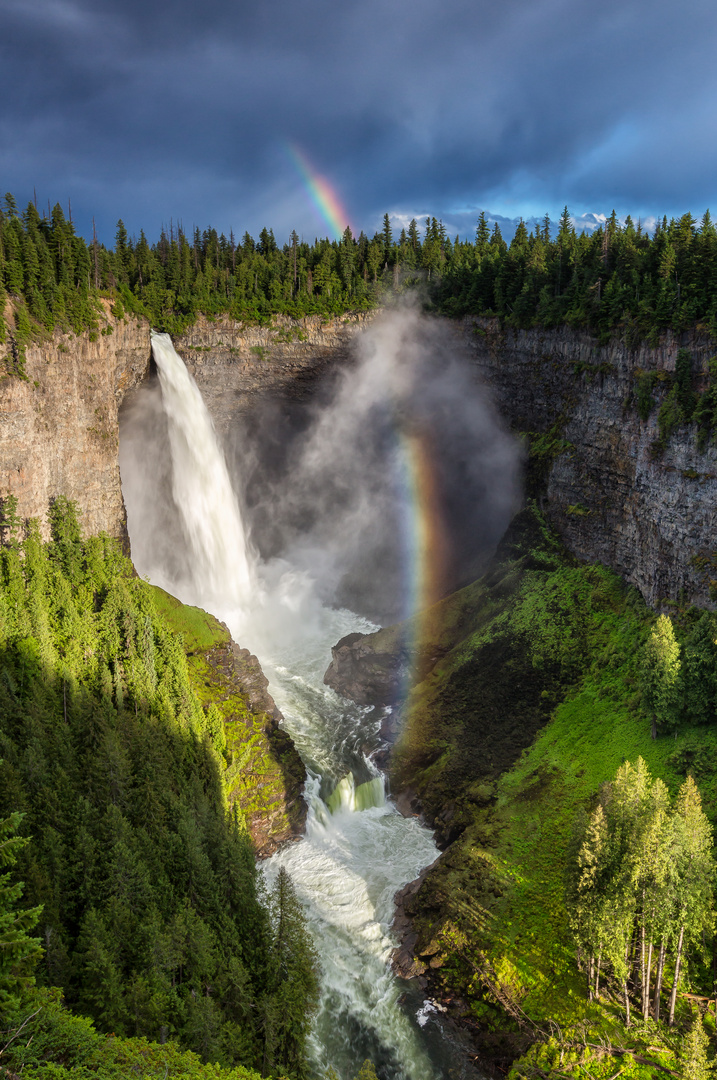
650	516
235	365
59	431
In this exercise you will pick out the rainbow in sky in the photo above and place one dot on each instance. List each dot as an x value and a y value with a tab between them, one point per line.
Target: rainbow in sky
321	194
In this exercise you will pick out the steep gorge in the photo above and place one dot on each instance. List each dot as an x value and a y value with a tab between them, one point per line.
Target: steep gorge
611	497
650	516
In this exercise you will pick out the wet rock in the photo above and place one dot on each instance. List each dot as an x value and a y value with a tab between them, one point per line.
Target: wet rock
404	961
364	671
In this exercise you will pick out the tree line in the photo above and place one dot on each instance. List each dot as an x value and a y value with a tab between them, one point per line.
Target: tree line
140	882
640	893
620	278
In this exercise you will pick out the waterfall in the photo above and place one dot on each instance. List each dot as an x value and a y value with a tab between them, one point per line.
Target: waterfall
202	490
358	850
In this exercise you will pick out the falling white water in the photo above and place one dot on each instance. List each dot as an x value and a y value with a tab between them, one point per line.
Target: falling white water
202	488
358	850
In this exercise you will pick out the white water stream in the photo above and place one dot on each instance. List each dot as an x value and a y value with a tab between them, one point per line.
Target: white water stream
358	850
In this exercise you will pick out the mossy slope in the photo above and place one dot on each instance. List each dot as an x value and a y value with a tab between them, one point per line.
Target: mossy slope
532	704
264	774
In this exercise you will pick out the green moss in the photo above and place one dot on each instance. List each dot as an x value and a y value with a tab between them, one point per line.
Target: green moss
543	449
199	629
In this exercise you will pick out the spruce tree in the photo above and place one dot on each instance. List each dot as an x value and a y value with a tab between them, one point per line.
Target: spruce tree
660	671
694	1059
294	983
19	952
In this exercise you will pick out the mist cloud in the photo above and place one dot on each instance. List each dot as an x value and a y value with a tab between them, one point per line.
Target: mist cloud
340	505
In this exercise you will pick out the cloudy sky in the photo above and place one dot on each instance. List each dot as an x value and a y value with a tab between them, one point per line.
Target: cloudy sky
150	110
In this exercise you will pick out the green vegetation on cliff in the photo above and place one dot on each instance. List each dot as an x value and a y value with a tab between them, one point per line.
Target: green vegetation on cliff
153	921
532	704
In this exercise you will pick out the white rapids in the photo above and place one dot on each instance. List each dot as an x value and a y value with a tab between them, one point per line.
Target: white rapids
358	850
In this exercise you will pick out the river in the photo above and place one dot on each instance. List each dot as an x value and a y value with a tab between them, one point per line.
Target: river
358	850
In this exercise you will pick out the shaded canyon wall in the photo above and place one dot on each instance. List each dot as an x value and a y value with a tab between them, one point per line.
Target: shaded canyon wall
650	515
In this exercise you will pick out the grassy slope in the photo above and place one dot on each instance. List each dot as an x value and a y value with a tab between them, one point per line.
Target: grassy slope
507	740
264	774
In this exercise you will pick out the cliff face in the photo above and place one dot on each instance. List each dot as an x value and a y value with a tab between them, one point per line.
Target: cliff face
59	428
59	432
650	516
235	365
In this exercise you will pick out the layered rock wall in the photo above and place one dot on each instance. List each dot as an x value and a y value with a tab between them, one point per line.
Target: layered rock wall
235	365
59	431
59	426
650	515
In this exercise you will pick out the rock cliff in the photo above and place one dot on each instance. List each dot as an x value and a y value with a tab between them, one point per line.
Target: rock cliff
59	432
650	516
59	426
235	365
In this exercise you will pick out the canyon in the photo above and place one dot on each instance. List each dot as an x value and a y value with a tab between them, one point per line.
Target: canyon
594	469
651	516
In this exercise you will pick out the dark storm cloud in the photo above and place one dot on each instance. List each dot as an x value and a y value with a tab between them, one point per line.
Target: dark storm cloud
150	110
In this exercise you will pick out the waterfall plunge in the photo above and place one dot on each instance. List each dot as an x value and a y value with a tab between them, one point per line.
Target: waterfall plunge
358	851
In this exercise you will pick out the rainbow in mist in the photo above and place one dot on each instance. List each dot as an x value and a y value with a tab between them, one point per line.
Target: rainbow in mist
426	547
322	196
425	540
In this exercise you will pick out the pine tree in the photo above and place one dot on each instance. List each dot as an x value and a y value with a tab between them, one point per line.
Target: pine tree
698	676
694	872
694	1060
294	984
